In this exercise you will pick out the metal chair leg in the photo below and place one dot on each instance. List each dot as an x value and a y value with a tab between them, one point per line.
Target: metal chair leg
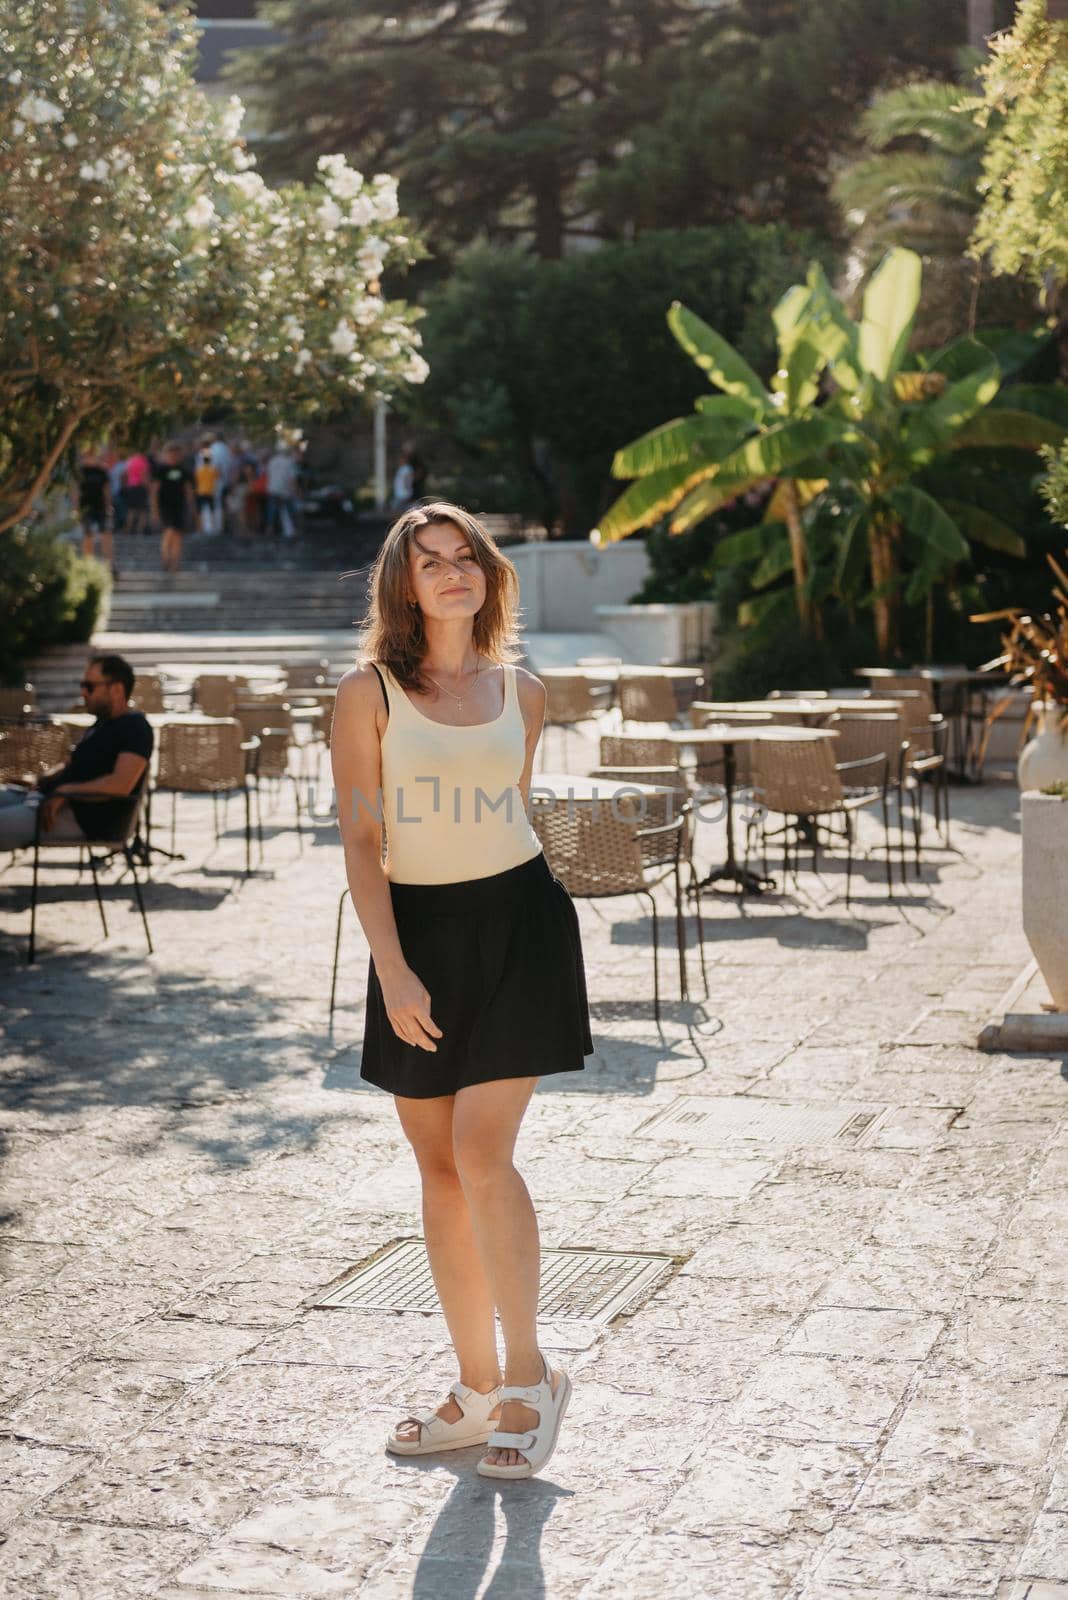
886	840
656	957
680	938
849	856
248	832
31	956
128	853
337	952
99	896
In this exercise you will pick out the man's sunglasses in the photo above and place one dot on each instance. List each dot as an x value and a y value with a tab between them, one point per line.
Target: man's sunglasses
93	683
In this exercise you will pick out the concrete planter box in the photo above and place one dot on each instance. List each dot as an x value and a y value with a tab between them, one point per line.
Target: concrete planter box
680	634
562	582
1044	827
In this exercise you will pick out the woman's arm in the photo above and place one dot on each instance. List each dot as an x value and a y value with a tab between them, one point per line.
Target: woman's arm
532	697
356	758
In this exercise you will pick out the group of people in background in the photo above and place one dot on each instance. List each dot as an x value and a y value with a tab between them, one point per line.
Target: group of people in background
211	487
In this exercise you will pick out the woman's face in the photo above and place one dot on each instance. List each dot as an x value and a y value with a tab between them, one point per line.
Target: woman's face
446	579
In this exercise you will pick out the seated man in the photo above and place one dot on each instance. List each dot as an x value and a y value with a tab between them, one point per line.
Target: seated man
90	797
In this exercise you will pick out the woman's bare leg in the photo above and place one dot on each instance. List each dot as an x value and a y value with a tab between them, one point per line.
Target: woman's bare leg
459	1276
485	1127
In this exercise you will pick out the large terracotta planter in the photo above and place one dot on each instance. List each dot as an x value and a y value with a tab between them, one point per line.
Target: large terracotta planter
1044	826
1044	759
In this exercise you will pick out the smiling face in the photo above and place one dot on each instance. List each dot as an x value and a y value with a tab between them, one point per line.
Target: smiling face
443	571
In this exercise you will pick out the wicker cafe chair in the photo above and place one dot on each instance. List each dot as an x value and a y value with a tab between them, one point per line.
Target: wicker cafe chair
216	693
207	758
800	779
928	736
863	736
121	841
572	699
598	850
308	674
148	692
641	750
271	722
27	749
658	845
646	697
709	771
17	700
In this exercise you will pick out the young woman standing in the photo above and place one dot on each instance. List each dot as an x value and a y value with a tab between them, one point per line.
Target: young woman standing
476	985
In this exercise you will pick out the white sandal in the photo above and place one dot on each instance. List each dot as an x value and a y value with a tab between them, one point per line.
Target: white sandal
473	1427
538	1443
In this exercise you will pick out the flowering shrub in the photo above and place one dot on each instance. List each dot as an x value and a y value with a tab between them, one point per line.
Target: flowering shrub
148	270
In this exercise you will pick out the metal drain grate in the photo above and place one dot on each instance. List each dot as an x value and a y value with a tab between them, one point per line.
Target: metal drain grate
718	1121
576	1285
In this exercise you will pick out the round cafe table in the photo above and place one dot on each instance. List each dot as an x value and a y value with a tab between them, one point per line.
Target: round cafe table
727	736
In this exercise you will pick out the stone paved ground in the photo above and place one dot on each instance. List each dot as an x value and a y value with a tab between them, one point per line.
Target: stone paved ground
856	1385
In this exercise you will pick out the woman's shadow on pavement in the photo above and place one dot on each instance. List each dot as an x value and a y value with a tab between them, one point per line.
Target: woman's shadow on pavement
463	1540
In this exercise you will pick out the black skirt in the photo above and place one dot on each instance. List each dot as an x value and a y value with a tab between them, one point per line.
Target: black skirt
501	958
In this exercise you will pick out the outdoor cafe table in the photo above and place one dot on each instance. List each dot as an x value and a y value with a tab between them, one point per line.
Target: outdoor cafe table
803	710
725	736
572	786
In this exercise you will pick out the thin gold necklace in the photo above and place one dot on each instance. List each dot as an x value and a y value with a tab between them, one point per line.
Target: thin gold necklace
459	699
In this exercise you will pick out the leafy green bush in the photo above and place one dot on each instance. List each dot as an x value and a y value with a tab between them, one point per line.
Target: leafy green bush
49	594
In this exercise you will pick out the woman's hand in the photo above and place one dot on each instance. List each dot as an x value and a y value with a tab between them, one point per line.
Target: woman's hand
408	1008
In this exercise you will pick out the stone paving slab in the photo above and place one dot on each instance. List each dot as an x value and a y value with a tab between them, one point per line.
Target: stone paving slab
853	1387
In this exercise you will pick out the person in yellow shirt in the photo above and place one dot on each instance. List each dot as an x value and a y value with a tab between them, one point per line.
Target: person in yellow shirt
206	478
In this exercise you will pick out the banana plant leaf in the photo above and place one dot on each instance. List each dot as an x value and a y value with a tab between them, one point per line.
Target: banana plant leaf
717	359
852	563
697	439
780	450
707	497
769	612
933	529
890	303
1014	347
1000	426
651	497
1037	399
935	425
776	562
980	526
748	545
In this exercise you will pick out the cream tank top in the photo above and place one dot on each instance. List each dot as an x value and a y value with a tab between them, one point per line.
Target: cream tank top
450	796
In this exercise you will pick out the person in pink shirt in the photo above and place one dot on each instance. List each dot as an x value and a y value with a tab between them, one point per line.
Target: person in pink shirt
138	476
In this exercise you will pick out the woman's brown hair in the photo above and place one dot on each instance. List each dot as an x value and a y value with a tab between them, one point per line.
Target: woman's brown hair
393	631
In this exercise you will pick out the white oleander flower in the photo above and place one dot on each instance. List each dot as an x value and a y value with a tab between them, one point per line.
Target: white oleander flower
201	213
343	339
385	197
329	215
70	140
35	108
416	369
303	360
361	212
367	310
232	117
292	330
94	171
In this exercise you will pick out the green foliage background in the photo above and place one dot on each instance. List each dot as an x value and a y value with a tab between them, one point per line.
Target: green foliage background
538	370
49	594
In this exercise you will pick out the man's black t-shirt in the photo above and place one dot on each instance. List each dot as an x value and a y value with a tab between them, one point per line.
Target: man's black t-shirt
173	500
91	485
94	756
